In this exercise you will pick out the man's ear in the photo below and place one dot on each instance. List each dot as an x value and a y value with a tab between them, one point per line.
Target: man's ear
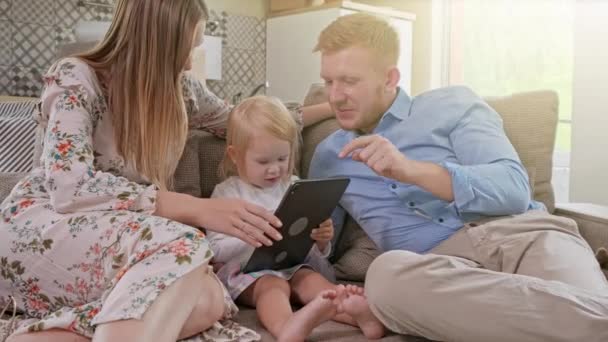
392	78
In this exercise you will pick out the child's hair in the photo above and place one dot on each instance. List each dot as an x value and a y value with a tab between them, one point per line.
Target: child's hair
361	29
260	112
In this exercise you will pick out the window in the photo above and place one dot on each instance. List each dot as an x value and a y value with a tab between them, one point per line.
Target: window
500	47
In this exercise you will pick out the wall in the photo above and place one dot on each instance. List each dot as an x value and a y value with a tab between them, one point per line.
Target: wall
31	30
589	164
243	53
422	50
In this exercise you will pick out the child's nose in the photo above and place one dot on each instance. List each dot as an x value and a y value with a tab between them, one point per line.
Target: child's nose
273	169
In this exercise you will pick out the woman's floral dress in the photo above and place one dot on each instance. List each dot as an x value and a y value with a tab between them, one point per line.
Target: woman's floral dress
79	245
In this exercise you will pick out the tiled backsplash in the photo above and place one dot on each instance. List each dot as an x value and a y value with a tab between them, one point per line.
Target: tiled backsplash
243	55
31	31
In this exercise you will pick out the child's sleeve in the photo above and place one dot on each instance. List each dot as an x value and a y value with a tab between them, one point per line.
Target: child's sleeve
323	254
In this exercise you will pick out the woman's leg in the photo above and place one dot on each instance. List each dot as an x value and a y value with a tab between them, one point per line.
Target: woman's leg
208	309
169	315
51	335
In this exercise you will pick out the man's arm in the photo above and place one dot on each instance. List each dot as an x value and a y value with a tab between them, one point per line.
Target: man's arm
487	178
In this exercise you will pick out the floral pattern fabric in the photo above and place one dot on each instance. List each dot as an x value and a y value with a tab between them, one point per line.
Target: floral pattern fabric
79	245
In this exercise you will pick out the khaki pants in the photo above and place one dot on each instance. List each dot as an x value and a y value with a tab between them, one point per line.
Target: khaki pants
529	277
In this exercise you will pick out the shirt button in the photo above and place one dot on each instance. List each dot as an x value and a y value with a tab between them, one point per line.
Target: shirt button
411	204
440	220
394	186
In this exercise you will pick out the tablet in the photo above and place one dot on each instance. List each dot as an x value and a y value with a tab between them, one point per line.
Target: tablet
306	204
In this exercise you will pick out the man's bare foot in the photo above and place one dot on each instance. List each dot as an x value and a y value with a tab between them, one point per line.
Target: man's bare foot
303	321
355	304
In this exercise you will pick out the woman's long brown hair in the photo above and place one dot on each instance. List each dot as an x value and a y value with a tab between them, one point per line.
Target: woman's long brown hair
140	62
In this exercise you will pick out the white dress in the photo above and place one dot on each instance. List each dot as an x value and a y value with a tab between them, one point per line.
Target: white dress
234	253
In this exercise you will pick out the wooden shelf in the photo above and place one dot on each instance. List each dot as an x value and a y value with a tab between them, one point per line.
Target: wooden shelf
387	11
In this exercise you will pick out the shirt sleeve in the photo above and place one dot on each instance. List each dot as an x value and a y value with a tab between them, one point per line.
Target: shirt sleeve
73	184
322	253
206	111
489	178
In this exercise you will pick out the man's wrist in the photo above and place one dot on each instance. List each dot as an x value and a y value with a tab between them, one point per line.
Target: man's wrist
411	171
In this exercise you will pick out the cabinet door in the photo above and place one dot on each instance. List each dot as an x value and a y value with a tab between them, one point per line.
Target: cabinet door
291	66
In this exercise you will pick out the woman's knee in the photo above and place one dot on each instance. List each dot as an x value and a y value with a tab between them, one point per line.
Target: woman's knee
210	305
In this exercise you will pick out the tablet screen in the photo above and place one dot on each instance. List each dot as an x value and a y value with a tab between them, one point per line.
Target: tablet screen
305	205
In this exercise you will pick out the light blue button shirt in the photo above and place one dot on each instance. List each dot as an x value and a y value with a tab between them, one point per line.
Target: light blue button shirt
452	127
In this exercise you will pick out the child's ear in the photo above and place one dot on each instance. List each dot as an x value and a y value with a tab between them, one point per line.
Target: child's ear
231	151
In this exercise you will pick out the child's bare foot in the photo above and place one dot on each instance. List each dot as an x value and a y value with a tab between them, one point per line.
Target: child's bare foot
303	321
355	304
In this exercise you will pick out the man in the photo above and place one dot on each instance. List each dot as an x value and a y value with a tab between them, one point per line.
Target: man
435	181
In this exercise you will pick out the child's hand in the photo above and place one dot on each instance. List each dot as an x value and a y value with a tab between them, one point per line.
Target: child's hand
323	234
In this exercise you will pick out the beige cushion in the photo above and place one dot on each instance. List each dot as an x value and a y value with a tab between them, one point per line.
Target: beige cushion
210	154
530	121
187	178
354	252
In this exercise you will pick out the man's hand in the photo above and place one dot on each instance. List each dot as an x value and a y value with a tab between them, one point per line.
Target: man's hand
323	234
380	155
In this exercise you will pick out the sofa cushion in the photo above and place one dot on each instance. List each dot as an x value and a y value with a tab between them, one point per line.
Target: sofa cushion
187	177
210	154
530	121
8	180
354	252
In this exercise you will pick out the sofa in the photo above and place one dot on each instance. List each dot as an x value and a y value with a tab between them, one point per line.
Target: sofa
530	120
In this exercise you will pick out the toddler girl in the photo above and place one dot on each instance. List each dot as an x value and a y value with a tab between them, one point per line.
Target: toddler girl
262	141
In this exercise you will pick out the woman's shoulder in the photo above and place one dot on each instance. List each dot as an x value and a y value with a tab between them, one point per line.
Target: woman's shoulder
192	88
71	71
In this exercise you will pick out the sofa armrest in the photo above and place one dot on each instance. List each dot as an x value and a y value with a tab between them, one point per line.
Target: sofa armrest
592	220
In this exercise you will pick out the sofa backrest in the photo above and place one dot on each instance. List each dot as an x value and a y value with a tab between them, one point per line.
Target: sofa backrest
530	122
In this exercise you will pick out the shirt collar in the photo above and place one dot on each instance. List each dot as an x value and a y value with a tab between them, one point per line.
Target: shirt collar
400	109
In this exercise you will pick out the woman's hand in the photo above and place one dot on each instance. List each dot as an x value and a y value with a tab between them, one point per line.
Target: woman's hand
246	221
323	234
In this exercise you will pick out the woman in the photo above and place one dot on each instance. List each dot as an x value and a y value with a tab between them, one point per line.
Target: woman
92	243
